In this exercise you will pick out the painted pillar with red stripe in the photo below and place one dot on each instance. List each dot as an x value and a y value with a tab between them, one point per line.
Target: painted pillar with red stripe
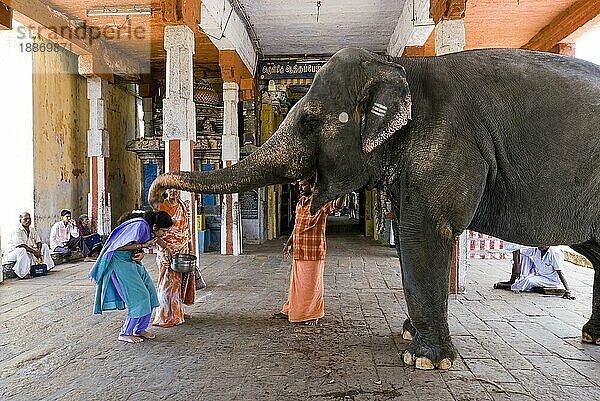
231	224
450	38
179	112
98	152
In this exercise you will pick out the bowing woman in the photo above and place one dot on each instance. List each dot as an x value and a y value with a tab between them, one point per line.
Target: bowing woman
121	279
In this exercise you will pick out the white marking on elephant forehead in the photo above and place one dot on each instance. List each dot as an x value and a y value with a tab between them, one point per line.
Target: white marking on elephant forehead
378	109
343	117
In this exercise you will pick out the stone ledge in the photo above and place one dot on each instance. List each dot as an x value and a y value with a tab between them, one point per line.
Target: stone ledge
58	259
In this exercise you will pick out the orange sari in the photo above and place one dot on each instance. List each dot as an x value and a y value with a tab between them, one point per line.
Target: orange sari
174	289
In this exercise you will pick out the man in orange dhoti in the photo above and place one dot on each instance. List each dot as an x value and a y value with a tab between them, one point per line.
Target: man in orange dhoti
305	298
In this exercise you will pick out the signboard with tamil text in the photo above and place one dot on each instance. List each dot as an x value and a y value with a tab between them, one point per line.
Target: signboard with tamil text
249	204
289	69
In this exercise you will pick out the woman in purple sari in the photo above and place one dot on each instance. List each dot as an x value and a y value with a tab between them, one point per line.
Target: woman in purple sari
121	279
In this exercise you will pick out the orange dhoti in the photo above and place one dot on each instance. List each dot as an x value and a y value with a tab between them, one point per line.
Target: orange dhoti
305	298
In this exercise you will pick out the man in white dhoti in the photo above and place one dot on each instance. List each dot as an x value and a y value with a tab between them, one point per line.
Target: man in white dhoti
25	248
539	267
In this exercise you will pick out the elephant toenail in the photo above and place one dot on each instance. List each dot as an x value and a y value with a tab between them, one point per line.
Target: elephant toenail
445	364
586	338
408	358
406	335
424	363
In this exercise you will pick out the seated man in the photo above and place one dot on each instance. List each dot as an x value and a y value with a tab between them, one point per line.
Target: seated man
535	268
25	248
64	237
93	240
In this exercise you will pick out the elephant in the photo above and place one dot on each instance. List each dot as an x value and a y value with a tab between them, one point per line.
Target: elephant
505	142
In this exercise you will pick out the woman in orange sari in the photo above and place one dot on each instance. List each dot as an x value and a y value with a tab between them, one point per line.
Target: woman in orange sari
174	289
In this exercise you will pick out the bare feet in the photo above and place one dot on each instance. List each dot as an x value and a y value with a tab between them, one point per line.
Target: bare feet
131	339
311	322
280	315
88	259
26	277
146	334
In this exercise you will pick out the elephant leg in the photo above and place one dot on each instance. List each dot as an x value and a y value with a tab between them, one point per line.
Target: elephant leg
408	330
591	330
433	208
426	261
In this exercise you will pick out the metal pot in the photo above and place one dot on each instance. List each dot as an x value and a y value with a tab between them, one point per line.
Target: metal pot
183	262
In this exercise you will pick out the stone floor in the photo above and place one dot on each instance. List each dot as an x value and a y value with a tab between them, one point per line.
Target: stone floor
512	347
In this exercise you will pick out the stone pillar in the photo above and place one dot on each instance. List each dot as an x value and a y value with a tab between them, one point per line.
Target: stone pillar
98	152
231	227
450	38
179	112
148	109
147	90
449	25
249	111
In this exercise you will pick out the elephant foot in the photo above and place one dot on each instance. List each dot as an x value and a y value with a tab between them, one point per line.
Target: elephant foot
591	333
427	357
408	330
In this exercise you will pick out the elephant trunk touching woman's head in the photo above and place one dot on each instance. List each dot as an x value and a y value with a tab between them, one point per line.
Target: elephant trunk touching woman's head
356	102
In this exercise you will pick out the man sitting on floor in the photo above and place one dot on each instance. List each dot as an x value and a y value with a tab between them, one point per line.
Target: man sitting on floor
25	248
64	237
539	267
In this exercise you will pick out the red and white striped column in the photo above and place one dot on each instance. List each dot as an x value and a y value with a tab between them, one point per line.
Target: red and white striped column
179	112
450	38
231	223
98	152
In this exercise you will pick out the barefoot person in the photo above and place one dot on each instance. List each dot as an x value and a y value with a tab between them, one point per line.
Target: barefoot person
174	289
64	237
25	248
535	268
121	279
305	301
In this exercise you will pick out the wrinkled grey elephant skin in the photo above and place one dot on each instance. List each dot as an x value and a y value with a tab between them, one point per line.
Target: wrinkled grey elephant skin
504	142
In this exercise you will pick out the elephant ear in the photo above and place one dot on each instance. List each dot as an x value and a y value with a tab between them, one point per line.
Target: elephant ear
385	105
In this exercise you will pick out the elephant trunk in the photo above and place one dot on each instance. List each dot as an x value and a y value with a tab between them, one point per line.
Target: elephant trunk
283	158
